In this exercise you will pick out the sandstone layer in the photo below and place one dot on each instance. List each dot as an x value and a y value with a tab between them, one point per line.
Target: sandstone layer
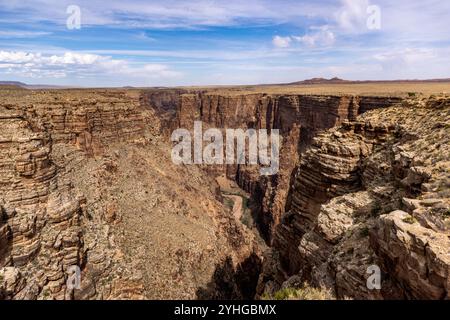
87	182
371	192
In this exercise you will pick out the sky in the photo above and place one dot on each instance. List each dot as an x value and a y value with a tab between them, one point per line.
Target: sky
98	43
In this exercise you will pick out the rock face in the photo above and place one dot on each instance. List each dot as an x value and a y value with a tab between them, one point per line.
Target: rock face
415	255
298	117
86	182
327	212
372	192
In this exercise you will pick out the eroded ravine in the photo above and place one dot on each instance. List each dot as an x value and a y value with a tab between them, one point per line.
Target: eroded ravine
298	117
325	212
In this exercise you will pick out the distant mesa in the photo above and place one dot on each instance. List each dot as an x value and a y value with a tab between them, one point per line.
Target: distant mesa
18	84
337	80
12	84
334	80
312	81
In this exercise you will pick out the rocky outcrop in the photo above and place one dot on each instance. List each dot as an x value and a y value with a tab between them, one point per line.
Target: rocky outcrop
346	211
414	255
43	215
86	181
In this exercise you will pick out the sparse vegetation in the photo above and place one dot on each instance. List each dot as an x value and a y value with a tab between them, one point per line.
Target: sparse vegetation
45	294
305	293
410	220
245	203
447	214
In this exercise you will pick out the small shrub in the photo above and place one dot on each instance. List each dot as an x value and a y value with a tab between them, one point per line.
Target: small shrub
447	214
46	294
245	204
266	296
305	293
410	220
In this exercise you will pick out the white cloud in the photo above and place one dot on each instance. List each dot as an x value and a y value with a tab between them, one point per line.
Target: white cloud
281	42
321	36
405	58
318	37
22	34
422	26
352	16
166	13
81	65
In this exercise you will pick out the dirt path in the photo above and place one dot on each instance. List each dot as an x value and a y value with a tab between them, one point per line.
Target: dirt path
237	206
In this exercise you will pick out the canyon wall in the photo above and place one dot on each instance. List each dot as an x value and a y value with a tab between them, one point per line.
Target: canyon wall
86	182
371	194
364	196
42	231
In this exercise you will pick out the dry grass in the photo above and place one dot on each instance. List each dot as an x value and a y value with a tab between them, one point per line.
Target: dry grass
363	89
305	293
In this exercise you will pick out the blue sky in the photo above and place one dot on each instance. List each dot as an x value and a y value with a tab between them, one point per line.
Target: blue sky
209	42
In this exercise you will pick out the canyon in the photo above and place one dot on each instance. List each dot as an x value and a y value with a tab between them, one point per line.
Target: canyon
86	179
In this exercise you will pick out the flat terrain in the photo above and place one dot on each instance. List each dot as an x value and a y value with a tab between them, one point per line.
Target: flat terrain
362	89
379	88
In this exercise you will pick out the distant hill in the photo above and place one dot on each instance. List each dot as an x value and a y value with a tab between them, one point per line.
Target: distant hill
12	83
342	81
29	86
320	81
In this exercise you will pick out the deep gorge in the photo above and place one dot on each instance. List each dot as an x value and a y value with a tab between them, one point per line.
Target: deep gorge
298	117
326	187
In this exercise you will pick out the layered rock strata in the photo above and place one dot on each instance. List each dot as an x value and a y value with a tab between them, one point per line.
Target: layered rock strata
87	183
372	192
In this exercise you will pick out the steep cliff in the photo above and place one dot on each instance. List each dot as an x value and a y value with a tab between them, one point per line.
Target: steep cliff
371	192
86	181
